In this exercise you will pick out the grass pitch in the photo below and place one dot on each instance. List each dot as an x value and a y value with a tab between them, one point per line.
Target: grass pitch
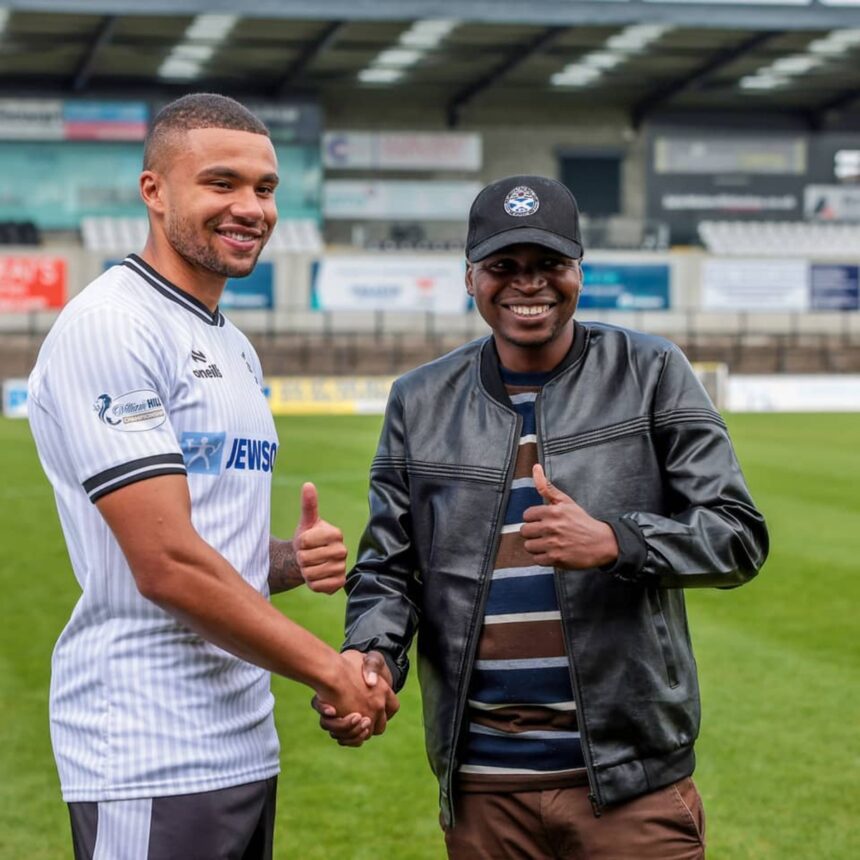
777	659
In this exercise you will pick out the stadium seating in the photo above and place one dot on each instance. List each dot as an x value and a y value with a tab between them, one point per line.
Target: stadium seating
811	239
119	235
19	233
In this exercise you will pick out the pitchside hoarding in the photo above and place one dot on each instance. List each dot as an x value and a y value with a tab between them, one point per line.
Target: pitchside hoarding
755	285
625	287
379	283
32	283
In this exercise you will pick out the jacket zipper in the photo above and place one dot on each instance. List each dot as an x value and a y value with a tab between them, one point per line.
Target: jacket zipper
593	795
472	645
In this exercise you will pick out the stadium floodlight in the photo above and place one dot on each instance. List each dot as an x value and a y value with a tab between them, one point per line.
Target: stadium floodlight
428	33
762	81
796	64
176	67
828	46
601	60
214	28
398	58
379	75
637	37
575	75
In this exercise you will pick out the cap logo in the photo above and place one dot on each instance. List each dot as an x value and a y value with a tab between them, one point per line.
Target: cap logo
521	201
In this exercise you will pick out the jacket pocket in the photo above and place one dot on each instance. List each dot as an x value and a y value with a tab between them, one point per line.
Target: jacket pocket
662	629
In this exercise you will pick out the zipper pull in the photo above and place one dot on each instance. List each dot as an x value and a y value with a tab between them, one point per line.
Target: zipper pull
595	808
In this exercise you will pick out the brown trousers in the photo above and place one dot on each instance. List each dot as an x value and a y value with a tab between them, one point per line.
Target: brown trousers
667	824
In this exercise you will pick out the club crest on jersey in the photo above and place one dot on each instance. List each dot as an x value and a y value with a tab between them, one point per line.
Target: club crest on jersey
132	412
521	201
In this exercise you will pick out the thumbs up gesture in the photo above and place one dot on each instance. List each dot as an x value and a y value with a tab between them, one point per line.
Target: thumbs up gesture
319	548
560	533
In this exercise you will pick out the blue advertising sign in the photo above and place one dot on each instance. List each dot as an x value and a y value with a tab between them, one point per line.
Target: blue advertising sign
835	288
625	287
254	293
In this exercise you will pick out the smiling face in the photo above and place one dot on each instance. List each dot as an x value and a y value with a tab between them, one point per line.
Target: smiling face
527	294
212	206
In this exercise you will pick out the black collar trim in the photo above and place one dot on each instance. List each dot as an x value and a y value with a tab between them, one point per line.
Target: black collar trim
171	291
491	374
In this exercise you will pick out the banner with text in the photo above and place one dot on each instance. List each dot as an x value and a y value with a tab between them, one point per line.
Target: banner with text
359	150
391	199
32	283
625	287
755	285
390	283
832	202
835	288
57	119
329	395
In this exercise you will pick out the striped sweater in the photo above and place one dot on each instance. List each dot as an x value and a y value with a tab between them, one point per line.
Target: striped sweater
522	731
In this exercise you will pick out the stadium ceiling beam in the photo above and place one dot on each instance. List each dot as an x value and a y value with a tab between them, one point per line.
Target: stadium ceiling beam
694	79
518	55
306	56
103	38
723	14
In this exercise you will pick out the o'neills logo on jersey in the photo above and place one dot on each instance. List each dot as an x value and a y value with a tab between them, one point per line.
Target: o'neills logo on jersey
210	372
203	453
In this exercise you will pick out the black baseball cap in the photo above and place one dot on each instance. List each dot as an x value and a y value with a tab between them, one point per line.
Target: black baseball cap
523	210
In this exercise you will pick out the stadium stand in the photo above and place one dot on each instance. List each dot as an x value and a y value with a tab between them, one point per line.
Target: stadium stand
781	239
19	233
117	235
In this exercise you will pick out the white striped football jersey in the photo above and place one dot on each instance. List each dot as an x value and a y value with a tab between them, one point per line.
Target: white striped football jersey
138	379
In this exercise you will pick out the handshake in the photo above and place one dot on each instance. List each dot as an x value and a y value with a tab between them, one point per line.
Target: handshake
357	686
363	697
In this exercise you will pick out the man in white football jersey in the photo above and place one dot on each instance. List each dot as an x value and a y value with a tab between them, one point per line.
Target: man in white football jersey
154	431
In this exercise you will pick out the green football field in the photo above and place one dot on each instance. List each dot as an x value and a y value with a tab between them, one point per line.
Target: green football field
778	663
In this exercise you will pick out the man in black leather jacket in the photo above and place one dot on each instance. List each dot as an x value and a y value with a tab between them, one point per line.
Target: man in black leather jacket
540	499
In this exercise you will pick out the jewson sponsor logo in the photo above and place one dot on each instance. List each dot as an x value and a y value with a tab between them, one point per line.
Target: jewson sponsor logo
256	455
132	412
204	453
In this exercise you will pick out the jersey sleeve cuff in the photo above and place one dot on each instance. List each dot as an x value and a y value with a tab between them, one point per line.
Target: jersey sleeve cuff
128	473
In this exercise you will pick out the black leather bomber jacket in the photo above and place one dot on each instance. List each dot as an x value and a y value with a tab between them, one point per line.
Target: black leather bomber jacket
625	428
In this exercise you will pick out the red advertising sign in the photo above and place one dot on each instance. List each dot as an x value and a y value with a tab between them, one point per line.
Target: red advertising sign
32	283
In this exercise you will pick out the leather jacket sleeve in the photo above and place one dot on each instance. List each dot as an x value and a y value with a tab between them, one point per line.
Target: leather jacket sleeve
381	611
713	535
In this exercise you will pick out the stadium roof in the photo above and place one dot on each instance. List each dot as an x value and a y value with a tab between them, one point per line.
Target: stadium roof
645	57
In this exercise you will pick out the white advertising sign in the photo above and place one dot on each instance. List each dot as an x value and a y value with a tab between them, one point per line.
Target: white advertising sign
384	200
755	285
391	283
31	119
351	150
832	202
807	393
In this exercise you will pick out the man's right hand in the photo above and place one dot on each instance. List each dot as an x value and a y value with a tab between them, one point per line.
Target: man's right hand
353	729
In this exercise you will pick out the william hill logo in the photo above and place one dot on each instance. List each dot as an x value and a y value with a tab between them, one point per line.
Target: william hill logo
210	372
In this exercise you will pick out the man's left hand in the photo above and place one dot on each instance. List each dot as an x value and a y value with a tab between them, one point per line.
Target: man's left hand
319	548
562	534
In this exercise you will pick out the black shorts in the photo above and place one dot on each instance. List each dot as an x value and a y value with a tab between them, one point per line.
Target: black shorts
229	824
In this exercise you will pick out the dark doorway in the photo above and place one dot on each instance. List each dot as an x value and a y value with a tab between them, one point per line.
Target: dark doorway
595	180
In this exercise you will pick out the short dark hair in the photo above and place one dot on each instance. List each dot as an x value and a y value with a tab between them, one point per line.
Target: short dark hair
197	110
